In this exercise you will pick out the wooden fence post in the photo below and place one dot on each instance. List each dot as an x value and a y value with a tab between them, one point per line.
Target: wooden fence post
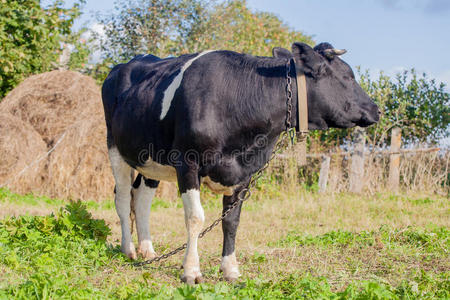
323	177
357	163
394	159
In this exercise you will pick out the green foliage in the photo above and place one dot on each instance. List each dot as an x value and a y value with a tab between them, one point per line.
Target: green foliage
72	221
415	103
174	27
232	25
53	252
336	238
32	38
6	196
433	239
157	27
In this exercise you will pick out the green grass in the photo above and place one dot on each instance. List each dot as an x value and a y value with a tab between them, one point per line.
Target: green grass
432	239
55	256
7	196
71	255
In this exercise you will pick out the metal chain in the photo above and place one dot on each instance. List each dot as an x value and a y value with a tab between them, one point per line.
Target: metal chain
245	193
288	96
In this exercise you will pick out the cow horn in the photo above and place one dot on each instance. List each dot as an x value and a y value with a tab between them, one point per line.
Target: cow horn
330	53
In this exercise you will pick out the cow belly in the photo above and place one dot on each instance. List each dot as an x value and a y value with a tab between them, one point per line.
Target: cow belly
217	187
155	171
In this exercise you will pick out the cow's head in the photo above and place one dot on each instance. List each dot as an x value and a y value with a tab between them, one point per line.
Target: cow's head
335	99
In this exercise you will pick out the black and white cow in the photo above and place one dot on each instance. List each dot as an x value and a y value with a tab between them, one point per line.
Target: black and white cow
214	118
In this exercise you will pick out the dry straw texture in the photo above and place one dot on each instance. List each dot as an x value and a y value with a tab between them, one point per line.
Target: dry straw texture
20	145
62	109
53	101
420	171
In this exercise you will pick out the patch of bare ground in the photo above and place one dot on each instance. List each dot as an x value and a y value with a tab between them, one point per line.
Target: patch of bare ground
15	209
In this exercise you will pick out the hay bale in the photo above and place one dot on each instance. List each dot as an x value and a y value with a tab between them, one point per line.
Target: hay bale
20	145
79	167
167	191
52	101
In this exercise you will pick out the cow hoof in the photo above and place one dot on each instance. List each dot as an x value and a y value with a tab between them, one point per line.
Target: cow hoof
132	255
147	254
191	280
146	251
230	268
231	277
129	251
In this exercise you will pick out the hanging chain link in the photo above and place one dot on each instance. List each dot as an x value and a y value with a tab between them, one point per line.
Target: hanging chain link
245	193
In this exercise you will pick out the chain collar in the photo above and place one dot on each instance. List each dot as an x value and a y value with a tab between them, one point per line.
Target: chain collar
302	109
289	130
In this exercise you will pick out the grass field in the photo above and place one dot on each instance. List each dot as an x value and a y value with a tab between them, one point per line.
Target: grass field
291	244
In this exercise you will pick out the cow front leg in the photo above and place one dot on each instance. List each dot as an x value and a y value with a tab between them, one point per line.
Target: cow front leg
143	192
123	176
194	218
230	223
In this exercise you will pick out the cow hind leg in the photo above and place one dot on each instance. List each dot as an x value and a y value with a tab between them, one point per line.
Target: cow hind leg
143	192
194	218
230	223
123	177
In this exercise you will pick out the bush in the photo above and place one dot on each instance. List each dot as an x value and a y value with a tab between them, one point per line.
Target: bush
32	38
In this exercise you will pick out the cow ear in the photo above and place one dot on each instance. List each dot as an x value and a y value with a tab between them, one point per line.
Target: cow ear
307	55
301	50
281	52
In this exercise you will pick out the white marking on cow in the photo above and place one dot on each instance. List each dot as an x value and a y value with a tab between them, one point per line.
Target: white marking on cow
230	267
143	197
169	93
194	218
156	171
217	187
122	176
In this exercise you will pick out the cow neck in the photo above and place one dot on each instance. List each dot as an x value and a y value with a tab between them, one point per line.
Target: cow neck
302	100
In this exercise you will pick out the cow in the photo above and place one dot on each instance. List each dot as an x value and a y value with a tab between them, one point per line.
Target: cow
214	117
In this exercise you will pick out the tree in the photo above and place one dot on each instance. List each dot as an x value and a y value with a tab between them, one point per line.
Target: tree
32	39
148	26
174	27
232	25
417	104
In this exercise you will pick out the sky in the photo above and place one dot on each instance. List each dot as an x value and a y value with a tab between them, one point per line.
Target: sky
388	35
379	35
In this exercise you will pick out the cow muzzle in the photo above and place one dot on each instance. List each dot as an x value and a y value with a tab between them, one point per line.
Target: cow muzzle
370	114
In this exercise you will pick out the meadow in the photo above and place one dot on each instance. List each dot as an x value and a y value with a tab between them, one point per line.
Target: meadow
292	243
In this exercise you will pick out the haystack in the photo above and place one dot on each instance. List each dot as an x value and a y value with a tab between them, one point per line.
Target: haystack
52	101
79	167
20	145
64	110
